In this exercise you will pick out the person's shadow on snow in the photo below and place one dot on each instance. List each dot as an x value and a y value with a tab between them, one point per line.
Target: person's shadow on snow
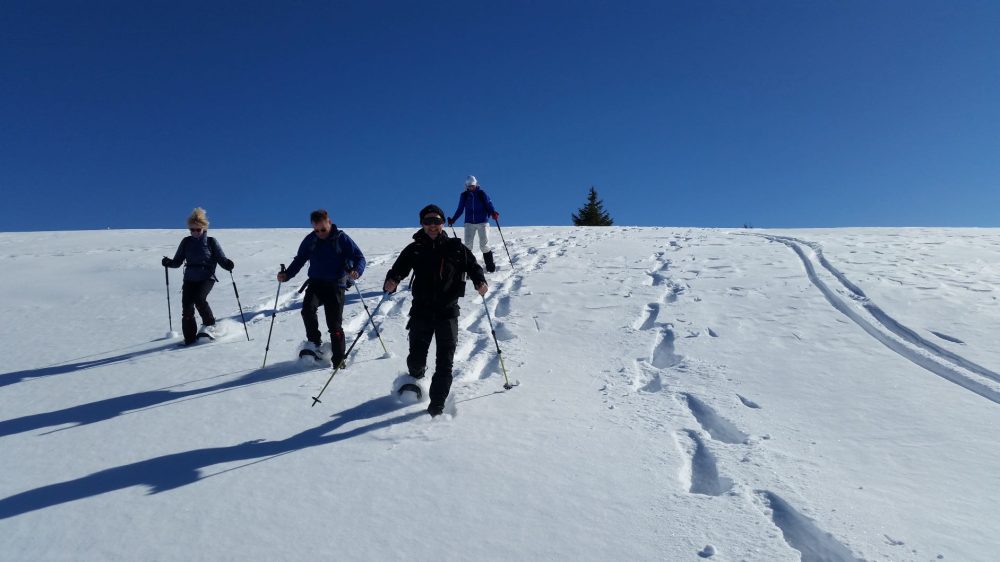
109	408
179	469
73	366
66	368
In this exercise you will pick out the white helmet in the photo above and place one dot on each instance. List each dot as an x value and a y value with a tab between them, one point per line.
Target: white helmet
471	180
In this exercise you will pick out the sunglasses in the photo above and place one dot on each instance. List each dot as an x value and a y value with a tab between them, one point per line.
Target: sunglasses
195	230
432	219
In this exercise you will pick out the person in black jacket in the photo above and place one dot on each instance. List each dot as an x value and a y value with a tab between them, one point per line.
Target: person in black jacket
200	253
440	265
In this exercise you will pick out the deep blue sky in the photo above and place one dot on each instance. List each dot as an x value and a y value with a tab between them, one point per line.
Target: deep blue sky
702	113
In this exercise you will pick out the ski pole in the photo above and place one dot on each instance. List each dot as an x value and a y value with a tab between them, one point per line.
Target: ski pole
370	319
170	318
506	384
336	368
273	314
504	243
240	305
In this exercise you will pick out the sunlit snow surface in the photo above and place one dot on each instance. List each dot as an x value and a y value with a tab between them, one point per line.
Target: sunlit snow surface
684	394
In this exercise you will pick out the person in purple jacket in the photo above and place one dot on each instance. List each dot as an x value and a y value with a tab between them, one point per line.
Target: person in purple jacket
199	253
478	209
333	259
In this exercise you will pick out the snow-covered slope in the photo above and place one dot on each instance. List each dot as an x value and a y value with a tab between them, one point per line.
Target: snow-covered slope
685	394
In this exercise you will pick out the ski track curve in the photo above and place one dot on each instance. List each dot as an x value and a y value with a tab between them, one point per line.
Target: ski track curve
894	325
906	335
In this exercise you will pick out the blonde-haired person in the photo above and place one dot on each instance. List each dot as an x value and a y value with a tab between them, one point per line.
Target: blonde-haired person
199	253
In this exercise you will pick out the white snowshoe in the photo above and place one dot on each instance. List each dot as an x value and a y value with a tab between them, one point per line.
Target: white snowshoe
309	351
410	390
207	333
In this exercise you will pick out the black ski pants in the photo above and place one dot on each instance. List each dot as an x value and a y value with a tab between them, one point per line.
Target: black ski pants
194	295
331	297
444	331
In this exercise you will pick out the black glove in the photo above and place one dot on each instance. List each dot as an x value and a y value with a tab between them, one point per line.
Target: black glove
227	264
451	221
165	262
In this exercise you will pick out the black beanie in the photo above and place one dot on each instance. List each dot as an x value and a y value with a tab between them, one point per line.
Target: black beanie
431	209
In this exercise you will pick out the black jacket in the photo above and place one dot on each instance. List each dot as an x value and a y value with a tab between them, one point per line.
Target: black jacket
440	268
202	254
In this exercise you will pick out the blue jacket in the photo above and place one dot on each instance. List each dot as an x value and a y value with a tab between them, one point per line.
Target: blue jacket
330	259
200	254
476	205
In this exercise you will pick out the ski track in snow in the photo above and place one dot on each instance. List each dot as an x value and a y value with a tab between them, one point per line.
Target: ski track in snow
887	330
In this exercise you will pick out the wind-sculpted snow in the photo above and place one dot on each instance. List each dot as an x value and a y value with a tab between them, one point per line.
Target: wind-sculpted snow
684	394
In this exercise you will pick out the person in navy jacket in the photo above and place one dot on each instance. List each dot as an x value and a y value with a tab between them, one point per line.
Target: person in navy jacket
200	253
333	259
478	209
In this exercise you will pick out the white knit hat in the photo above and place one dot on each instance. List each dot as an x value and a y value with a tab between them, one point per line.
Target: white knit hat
471	180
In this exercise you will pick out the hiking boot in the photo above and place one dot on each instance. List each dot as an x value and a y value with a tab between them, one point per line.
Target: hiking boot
435	409
490	266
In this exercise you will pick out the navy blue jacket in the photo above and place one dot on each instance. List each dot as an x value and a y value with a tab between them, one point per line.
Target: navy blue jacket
477	206
330	259
200	254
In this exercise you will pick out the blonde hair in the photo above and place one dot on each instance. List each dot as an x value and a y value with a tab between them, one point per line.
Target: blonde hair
198	218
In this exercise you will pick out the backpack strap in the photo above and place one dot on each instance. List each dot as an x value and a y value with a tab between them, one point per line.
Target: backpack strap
335	240
213	246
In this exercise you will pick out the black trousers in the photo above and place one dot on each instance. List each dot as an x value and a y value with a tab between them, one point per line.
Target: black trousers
444	331
194	295
331	297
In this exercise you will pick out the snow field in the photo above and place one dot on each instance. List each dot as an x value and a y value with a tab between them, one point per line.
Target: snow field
685	393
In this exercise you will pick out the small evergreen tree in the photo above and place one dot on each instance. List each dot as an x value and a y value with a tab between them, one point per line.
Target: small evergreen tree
593	213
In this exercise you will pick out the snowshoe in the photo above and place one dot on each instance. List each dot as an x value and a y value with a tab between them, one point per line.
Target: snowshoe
410	387
410	390
211	332
310	351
